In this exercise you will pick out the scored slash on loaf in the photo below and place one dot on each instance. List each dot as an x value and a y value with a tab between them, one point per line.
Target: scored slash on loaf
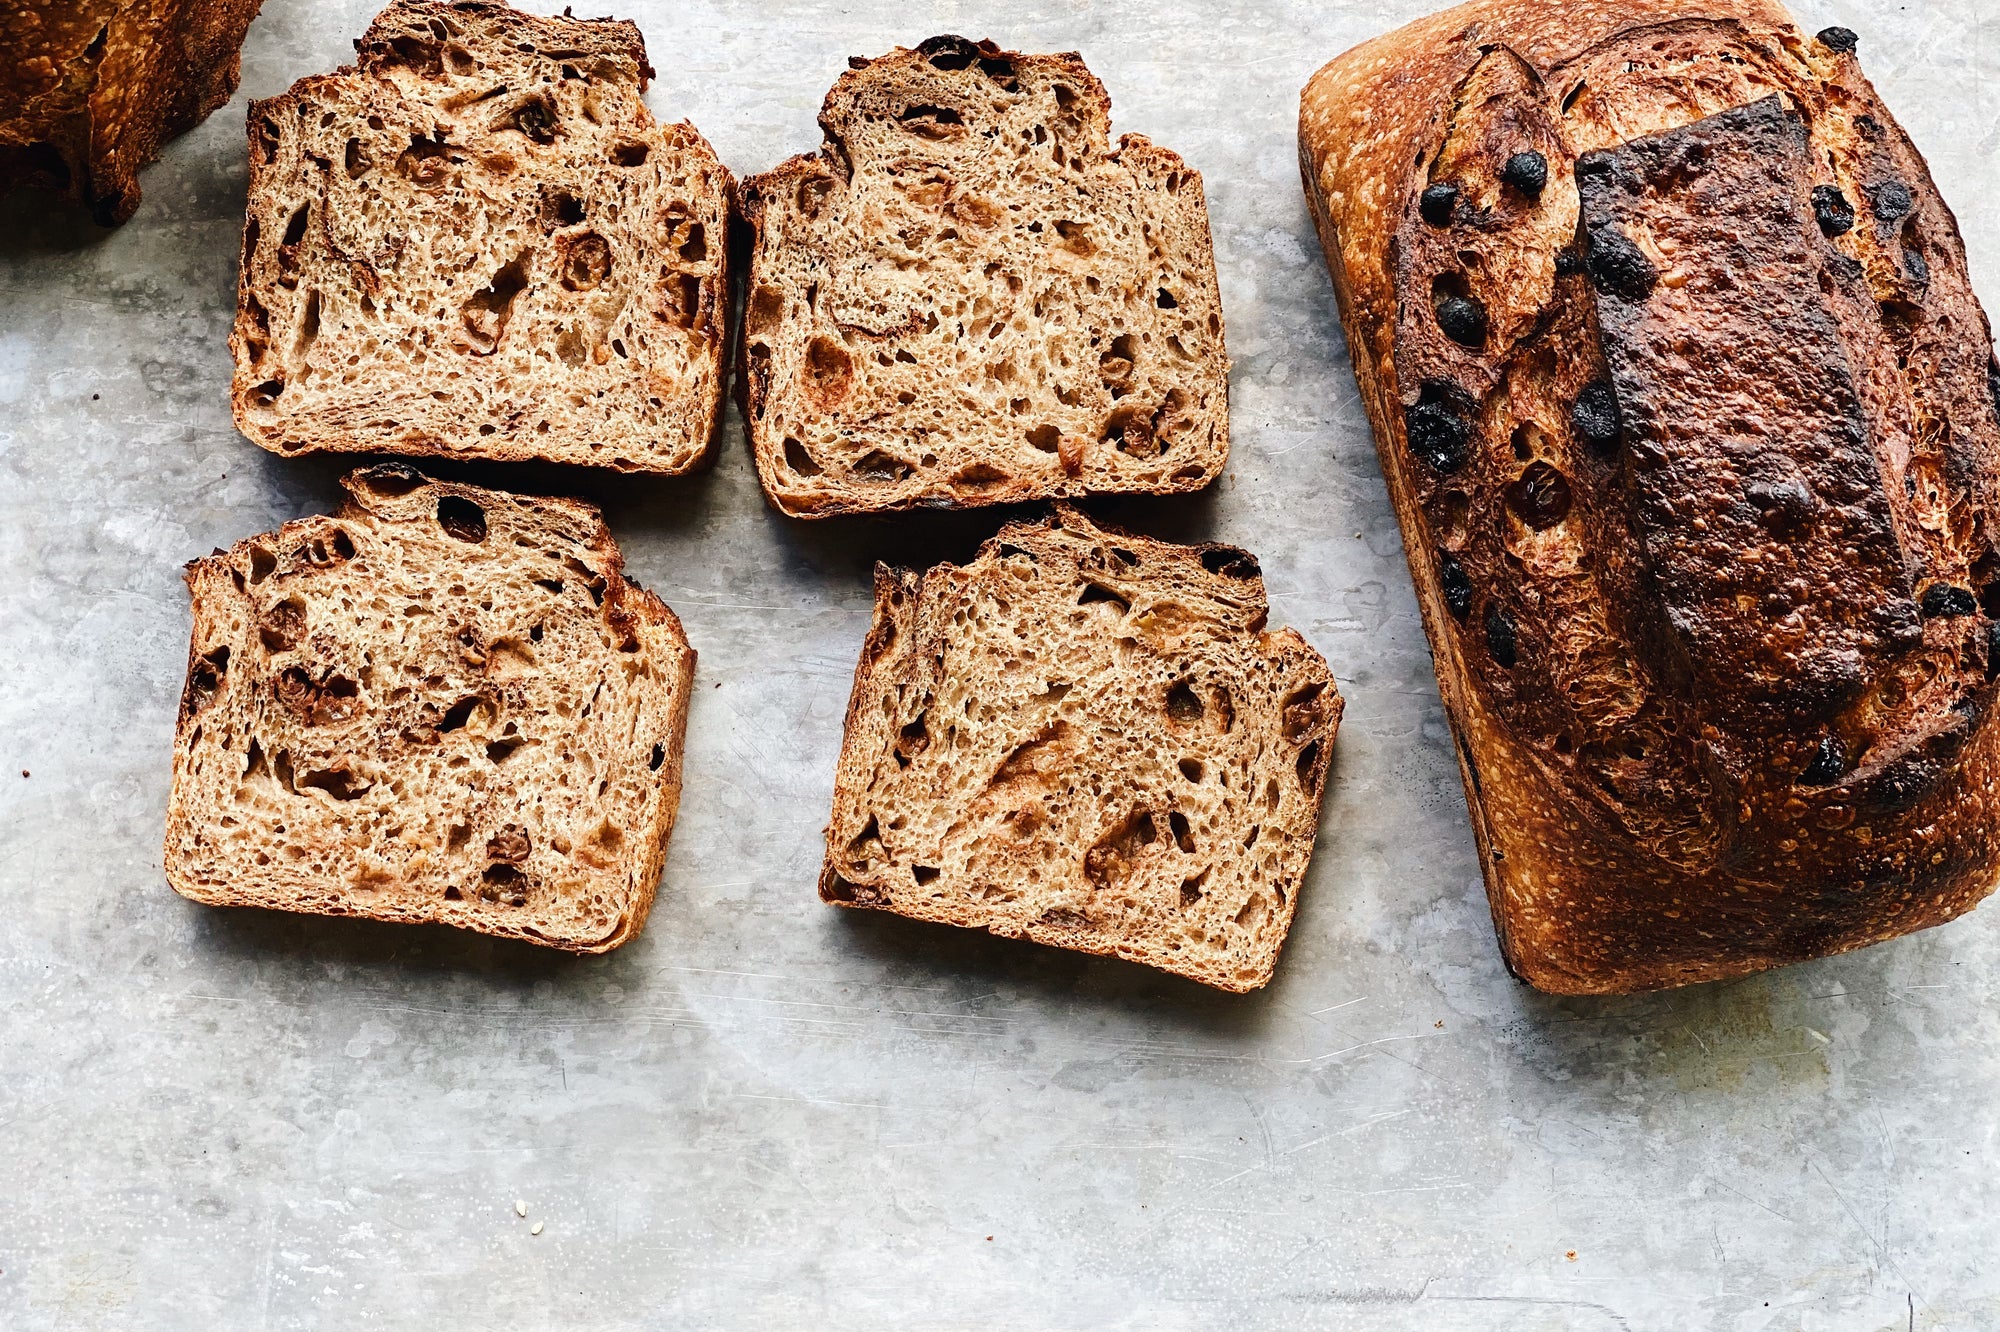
969	297
441	703
476	242
1088	739
1692	423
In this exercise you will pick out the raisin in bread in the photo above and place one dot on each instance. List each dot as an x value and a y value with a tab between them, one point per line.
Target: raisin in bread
476	242
1089	739
1688	411
969	297
442	704
90	90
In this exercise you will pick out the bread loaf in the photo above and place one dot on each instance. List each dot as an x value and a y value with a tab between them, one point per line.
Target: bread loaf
441	703
1688	411
477	243
967	296
1089	739
90	89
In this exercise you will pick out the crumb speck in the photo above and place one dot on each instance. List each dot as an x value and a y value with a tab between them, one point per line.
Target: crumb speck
535	1229
520	1209
989	1239
1571	1255
24	772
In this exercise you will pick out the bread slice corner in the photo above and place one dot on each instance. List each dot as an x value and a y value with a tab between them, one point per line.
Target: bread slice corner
1089	739
440	703
476	242
968	296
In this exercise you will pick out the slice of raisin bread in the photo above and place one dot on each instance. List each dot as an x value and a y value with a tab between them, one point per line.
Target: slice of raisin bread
441	703
1088	739
477	243
969	297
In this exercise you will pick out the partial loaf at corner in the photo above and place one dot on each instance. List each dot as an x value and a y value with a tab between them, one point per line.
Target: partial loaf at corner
441	703
1089	739
476	242
969	297
91	89
1688	411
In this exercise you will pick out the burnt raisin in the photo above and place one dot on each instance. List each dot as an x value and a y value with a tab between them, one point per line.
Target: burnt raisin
1845	41
1596	416
1620	268
1993	651
536	120
1527	172
1437	429
1829	763
1943	601
1501	640
1438	204
1832	210
1568	263
1890	201
1993	387
1918	267
1457	586
1540	497
1463	319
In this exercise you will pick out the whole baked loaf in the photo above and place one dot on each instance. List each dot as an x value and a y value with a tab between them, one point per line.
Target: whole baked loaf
969	296
90	89
476	242
1688	411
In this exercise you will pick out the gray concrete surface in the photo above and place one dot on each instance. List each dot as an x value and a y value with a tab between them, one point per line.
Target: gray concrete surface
765	1113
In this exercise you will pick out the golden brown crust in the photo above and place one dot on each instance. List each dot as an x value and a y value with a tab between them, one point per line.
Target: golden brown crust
90	89
1696	474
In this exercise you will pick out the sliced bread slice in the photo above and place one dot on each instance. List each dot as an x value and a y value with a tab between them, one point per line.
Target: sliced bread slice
477	243
441	703
967	296
1088	739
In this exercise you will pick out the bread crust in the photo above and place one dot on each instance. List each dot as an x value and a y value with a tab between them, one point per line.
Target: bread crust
540	365
873	441
1666	788
412	874
91	88
1023	801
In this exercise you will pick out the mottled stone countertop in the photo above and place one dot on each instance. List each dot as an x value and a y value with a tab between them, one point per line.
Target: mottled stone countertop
766	1113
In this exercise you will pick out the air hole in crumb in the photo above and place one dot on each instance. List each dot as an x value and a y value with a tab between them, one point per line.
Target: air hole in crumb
1193	769
1094	593
1046	438
799	461
1183	832
924	874
1308	765
630	154
457	715
462	519
659	757
1183	704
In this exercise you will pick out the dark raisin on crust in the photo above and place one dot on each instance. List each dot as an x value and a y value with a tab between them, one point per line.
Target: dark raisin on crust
1917	267
1845	41
1828	765
1438	204
1540	497
1944	601
1890	201
1527	172
1993	387
1993	650
1457	585
1618	267
1568	263
1463	319
1597	417
1437	428
1501	640
1832	210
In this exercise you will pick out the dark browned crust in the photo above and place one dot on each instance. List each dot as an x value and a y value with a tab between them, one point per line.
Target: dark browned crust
1721	681
90	89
